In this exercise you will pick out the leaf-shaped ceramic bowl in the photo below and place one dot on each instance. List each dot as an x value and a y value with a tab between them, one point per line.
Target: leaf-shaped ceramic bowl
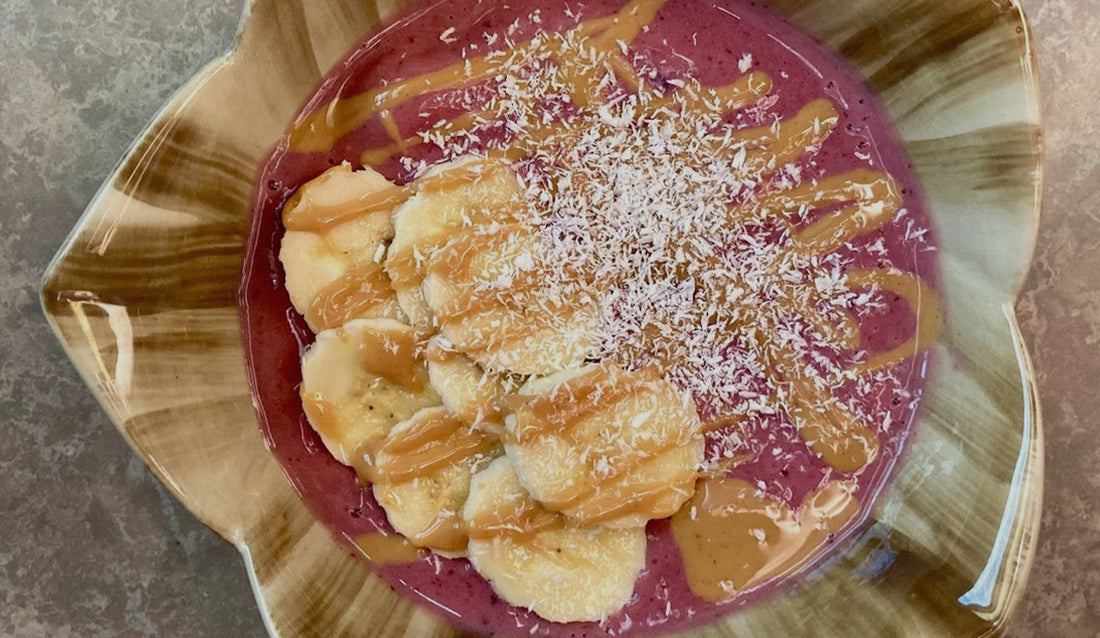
143	296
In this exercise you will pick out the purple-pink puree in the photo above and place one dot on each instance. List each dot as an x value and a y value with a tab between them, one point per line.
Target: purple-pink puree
713	36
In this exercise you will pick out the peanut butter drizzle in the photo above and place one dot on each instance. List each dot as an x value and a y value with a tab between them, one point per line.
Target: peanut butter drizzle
431	445
395	357
834	433
521	517
387	549
833	231
922	301
378	155
601	501
733	539
390	126
447	533
406	265
842	440
321	414
458	261
548	414
602	498
861	185
352	295
807	129
317	131
747	89
318	219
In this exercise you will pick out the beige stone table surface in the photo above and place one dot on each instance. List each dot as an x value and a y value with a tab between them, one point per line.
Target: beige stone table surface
91	545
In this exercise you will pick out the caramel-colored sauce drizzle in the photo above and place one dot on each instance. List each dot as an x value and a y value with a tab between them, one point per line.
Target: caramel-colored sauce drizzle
447	533
521	517
322	415
395	357
318	218
406	267
923	302
807	129
744	91
732	539
559	412
556	412
352	295
387	549
431	445
457	261
874	208
390	126
601	501
317	131
840	438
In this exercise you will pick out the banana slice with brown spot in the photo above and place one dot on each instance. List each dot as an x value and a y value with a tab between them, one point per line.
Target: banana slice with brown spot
333	270
467	390
536	559
359	381
495	299
421	477
602	445
450	197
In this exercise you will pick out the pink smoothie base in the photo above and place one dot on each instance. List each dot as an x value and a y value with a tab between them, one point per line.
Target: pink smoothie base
275	336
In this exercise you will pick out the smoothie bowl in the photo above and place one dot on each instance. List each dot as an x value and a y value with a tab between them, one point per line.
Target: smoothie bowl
598	319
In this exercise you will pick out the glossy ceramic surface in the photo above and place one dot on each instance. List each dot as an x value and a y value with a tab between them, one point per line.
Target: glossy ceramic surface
143	297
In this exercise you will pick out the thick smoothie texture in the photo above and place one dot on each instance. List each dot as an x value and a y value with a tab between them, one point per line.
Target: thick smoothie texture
715	42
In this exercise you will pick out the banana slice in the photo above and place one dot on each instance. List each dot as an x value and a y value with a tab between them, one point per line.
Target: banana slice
333	268
422	477
536	559
360	380
467	390
460	194
602	445
492	297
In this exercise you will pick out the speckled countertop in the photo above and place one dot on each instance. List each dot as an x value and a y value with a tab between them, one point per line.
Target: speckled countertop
91	545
